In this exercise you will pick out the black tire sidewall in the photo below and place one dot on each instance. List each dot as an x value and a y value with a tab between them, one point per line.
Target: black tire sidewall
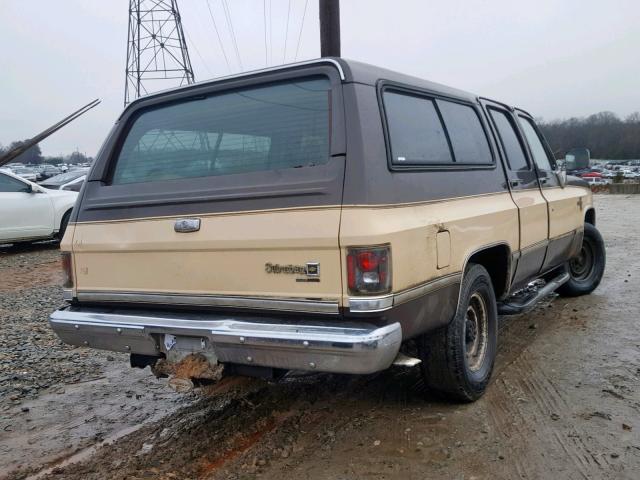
576	287
476	280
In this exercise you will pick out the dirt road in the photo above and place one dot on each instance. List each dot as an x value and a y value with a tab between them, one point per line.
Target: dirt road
564	403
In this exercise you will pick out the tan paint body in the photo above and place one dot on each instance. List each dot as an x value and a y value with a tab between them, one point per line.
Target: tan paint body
227	256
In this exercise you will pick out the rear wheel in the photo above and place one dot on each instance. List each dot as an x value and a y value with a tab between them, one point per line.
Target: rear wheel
457	360
586	269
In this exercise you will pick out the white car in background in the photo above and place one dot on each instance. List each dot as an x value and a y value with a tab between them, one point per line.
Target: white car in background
31	212
25	172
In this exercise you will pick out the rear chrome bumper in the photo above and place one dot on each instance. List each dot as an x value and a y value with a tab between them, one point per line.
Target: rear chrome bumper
320	346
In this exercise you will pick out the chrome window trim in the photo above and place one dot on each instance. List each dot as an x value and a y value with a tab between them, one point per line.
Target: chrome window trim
282	304
386	302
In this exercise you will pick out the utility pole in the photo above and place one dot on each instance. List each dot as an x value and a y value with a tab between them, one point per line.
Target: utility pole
156	48
329	28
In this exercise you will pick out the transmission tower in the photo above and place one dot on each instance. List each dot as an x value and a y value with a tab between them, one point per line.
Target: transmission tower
156	48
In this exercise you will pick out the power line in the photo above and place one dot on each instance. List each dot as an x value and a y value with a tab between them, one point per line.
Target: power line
286	33
215	27
264	21
270	32
304	13
233	33
195	47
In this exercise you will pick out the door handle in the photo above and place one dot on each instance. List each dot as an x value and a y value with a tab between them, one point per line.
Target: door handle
544	181
515	183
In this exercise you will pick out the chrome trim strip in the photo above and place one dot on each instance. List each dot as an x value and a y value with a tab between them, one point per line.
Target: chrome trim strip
323	346
385	302
281	304
370	304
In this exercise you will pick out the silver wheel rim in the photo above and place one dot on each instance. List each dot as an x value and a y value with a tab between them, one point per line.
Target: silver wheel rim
476	332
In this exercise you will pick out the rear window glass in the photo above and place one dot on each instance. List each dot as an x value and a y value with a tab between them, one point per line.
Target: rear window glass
468	138
416	133
279	126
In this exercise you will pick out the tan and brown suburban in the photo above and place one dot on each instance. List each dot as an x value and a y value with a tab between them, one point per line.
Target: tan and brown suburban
326	216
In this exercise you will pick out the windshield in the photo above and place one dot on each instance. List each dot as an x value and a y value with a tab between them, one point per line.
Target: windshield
279	126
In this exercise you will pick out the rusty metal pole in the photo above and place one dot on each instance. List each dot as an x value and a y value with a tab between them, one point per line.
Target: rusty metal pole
329	28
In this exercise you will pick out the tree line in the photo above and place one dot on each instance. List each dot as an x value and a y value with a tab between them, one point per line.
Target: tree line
33	156
604	134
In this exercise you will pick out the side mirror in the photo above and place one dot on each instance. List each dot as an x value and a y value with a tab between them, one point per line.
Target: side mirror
561	172
28	188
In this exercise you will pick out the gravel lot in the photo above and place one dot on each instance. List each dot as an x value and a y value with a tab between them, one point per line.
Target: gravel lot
564	402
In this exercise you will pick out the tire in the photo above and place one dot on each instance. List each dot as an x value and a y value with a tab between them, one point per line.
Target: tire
585	270
455	363
63	225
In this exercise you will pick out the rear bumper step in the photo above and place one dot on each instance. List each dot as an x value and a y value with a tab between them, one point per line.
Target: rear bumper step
321	346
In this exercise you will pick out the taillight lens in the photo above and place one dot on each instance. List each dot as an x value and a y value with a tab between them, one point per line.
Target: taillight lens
67	270
369	270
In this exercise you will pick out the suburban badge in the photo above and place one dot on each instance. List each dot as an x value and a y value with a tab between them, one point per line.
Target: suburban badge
311	269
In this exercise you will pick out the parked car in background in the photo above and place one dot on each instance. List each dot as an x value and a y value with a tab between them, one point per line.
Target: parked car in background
597	180
31	212
66	181
24	172
75	185
47	171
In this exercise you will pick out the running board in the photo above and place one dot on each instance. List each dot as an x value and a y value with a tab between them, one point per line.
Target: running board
521	306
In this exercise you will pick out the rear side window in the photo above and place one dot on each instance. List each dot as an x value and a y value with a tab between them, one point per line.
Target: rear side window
468	138
535	144
425	131
416	133
509	139
279	126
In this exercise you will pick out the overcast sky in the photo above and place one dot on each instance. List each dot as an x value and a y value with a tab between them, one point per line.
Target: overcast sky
555	58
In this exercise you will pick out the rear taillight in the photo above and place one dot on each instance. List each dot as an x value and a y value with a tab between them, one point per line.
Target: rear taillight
67	270
369	270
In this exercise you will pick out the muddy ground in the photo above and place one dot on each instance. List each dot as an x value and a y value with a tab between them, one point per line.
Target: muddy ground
564	401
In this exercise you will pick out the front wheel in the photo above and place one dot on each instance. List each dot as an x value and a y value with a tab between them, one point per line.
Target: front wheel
457	360
586	269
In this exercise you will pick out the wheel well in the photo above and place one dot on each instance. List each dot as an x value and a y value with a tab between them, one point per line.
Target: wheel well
65	215
590	217
497	261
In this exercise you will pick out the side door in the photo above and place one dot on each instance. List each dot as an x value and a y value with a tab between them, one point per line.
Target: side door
23	214
525	191
564	202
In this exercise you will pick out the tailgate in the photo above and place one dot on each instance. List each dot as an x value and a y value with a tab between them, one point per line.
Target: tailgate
276	254
254	173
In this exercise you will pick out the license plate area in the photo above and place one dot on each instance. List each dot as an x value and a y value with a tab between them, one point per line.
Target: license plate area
177	347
